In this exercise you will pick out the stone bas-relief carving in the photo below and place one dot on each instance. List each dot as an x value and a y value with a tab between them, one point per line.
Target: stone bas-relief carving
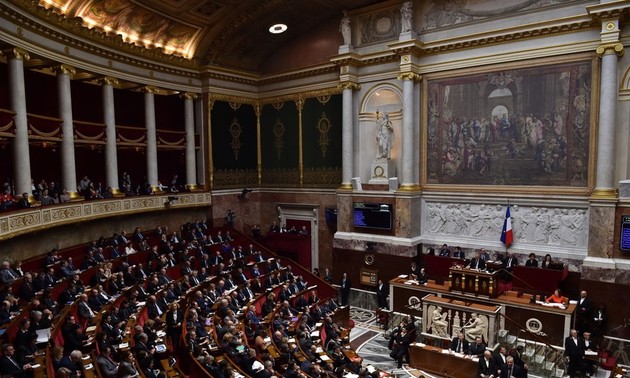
447	324
565	227
438	323
439	13
381	26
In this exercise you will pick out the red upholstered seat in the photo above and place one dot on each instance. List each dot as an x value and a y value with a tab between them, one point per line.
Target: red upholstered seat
606	360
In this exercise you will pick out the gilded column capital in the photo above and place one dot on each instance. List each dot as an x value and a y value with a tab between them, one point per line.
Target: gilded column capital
63	69
409	76
16	53
610	48
257	109
188	96
210	104
108	80
150	89
349	85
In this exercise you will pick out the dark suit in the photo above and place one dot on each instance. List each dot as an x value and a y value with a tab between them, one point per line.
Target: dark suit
382	292
10	367
477	350
573	349
514	370
400	348
460	346
583	315
486	369
345	291
477	263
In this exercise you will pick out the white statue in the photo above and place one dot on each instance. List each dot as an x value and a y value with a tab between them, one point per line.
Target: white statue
345	30
406	15
438	322
476	327
385	136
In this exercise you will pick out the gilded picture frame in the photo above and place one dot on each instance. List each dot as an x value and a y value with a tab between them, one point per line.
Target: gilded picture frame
525	126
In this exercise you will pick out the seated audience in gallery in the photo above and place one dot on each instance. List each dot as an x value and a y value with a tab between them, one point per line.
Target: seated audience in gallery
531	261
445	251
459	253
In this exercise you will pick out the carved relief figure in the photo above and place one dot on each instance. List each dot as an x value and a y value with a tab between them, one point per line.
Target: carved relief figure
476	326
438	323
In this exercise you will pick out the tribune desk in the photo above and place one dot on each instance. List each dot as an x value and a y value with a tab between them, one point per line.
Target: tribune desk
555	323
474	281
441	362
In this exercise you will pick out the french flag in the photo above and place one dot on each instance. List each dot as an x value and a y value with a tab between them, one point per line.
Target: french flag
506	234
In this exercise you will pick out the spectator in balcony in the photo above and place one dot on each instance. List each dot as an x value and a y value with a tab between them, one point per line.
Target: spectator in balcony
6	199
45	199
23	202
64	197
84	184
108	193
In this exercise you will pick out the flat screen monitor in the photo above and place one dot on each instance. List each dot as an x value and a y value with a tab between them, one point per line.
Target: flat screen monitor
373	215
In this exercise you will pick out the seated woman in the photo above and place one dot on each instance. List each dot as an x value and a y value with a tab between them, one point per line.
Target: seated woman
557	297
547	261
532	262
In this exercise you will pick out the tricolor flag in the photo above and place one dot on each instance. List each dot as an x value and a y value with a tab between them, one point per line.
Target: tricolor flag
506	234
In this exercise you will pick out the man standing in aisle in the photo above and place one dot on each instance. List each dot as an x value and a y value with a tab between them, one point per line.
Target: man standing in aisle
345	289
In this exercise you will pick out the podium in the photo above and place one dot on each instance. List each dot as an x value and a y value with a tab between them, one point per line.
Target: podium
472	281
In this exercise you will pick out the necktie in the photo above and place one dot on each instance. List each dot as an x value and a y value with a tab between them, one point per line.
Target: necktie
459	347
510	372
159	312
11	274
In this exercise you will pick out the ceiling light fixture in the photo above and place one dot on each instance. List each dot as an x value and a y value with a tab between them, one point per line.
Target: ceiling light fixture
277	29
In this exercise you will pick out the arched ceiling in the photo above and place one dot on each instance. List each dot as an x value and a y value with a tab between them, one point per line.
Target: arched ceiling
232	33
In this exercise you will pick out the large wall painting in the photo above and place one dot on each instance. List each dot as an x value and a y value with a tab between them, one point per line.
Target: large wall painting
523	126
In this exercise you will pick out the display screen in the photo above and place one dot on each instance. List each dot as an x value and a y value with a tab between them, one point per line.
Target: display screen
373	215
624	237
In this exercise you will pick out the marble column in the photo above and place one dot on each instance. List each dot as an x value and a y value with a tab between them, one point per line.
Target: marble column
189	125
407	176
21	155
149	123
109	118
607	111
347	135
68	163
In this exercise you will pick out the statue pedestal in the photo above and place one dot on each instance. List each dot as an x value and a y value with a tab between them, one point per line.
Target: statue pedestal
407	36
382	170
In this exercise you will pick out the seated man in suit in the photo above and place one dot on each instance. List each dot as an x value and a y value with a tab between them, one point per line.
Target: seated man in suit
478	348
107	366
487	366
9	367
459	344
459	253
